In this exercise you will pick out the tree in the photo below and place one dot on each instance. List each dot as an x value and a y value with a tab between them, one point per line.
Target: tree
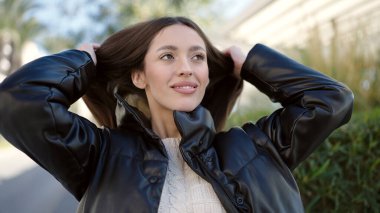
16	27
135	10
108	16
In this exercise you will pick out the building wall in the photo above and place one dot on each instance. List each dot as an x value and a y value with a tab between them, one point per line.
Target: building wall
2	77
285	23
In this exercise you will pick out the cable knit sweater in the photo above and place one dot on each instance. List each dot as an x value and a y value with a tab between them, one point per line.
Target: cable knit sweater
184	190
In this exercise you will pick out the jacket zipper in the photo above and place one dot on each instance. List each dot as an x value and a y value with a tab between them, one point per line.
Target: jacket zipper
210	176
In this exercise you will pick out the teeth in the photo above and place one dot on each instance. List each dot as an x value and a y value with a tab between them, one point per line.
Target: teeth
185	87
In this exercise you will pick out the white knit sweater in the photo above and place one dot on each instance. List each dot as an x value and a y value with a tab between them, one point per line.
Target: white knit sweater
184	190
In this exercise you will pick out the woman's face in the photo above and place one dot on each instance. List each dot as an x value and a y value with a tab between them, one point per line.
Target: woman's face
175	72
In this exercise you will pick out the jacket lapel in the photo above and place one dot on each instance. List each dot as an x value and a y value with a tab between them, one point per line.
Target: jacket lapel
196	128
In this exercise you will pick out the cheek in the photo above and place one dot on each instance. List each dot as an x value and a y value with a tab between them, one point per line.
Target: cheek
205	77
154	76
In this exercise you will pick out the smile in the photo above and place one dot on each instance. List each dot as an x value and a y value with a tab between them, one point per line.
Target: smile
185	87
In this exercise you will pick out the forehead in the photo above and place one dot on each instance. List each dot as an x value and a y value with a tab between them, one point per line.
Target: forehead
178	35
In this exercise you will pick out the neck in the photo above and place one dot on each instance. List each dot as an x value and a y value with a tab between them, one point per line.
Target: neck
164	126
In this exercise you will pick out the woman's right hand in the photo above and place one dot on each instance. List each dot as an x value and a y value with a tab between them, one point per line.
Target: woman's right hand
90	48
238	57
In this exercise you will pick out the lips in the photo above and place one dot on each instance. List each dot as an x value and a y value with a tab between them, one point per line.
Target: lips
185	87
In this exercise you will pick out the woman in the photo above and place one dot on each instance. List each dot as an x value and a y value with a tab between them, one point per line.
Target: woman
162	93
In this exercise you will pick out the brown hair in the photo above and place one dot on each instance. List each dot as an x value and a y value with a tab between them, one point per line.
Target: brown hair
125	51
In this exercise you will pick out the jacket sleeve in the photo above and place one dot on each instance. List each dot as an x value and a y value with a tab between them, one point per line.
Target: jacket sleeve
34	104
313	105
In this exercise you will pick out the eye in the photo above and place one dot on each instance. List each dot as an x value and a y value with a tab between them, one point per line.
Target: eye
199	57
167	57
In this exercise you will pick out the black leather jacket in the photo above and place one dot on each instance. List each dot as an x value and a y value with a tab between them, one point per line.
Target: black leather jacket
123	170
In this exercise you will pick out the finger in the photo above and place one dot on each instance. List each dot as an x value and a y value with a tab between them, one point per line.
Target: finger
95	46
227	51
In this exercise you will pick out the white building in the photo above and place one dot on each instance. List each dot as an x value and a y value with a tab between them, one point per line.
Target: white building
283	24
2	77
286	23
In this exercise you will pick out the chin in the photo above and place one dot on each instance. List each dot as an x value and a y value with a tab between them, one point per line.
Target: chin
186	107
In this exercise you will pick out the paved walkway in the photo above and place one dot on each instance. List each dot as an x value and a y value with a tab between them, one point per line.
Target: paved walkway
13	162
26	187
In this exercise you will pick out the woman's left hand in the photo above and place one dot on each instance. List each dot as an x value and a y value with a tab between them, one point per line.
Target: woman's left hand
90	48
238	57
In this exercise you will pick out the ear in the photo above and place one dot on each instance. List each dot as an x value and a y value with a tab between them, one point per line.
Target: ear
138	79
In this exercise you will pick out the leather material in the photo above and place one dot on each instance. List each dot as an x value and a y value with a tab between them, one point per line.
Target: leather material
123	169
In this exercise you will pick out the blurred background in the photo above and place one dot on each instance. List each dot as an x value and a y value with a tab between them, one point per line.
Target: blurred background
340	38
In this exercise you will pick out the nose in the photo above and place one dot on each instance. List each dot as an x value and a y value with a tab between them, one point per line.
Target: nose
185	68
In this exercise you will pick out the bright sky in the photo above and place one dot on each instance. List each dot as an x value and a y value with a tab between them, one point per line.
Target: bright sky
77	17
231	8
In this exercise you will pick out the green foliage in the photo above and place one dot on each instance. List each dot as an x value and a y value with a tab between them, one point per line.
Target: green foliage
240	117
16	28
343	174
254	106
14	18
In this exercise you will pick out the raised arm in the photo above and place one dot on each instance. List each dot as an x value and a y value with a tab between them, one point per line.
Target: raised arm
34	104
314	105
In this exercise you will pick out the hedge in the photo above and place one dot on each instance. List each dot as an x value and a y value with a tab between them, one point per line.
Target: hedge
343	174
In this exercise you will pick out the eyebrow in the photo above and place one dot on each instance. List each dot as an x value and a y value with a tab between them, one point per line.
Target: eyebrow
171	47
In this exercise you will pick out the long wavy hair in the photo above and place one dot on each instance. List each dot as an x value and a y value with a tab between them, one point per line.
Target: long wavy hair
124	52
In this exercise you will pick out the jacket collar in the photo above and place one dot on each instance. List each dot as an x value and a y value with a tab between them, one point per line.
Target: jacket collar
196	128
129	116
